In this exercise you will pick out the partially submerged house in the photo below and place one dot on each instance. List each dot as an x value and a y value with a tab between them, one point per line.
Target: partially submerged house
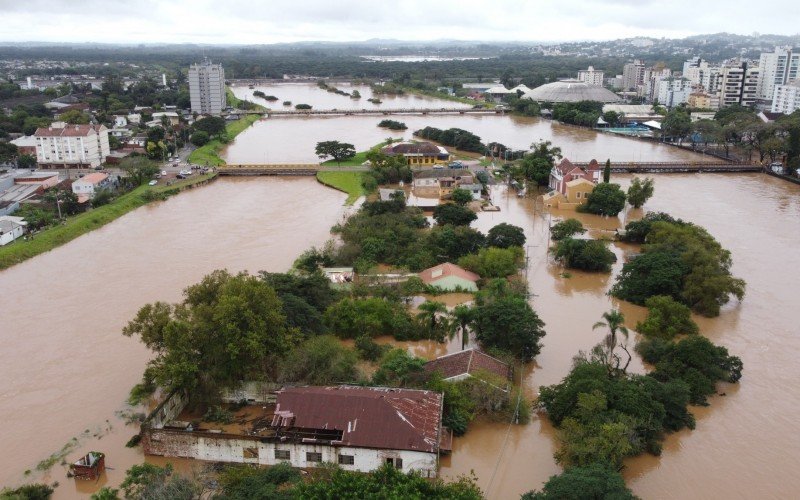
466	363
441	182
571	185
418	154
358	428
450	277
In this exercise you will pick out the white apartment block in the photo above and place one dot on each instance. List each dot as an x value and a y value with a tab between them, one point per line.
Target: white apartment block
632	75
777	68
739	85
62	145
207	88
591	76
673	91
786	98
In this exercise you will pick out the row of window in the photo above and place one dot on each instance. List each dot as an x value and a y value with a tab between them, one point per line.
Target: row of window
316	457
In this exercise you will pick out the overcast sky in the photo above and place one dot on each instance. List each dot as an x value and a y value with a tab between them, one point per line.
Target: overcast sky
255	22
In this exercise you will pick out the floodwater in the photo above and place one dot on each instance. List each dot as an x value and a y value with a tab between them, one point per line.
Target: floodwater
65	366
283	139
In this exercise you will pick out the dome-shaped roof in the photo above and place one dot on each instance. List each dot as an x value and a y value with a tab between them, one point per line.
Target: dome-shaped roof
571	91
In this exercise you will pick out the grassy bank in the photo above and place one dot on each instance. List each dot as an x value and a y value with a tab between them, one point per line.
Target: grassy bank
349	182
357	160
44	241
443	96
209	154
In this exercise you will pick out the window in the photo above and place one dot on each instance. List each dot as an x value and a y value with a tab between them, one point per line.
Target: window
578	195
283	454
346	459
313	457
396	462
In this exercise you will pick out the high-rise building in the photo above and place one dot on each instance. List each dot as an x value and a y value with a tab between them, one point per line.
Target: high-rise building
591	76
786	98
777	68
632	75
673	91
207	88
739	84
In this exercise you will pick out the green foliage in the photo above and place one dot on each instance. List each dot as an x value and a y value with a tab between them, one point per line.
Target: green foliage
586	255
385	483
594	481
226	328
494	262
372	316
387	169
583	113
398	368
26	161
566	229
637	231
695	361
368	349
461	196
102	197
27	492
392	125
677	124
74	116
607	172
505	320
319	360
605	199
138	169
106	493
211	125
449	243
337	150
505	235
218	414
255	483
666	318
649	274
455	137
640	191
304	298
451	213
200	138
302	106
151	482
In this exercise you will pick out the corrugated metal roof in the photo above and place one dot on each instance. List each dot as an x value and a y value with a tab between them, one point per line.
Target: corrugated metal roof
369	417
468	362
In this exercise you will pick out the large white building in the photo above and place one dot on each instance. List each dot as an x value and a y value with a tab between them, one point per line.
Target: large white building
62	145
207	88
632	75
673	91
777	68
739	84
591	76
786	98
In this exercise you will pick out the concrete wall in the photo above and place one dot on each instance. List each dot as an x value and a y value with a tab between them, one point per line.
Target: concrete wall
250	449
168	410
252	392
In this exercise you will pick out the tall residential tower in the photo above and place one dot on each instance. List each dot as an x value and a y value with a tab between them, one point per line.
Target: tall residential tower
207	88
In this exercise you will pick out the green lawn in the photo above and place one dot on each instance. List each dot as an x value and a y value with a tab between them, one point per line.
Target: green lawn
75	226
355	161
349	182
209	153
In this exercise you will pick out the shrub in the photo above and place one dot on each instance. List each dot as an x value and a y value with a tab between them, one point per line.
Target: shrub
605	199
586	255
666	318
493	262
566	229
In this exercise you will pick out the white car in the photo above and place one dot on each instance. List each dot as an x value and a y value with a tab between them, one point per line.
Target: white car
153	182
163	173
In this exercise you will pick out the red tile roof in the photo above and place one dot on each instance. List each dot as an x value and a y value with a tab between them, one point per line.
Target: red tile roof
425	148
468	362
68	131
565	166
369	417
94	178
432	274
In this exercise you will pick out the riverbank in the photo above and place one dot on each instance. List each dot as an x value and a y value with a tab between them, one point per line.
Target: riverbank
73	227
347	182
208	155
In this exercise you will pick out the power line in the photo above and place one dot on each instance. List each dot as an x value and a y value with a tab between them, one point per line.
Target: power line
514	419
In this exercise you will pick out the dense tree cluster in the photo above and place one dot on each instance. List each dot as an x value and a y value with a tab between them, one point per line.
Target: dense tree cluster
584	113
392	125
605	199
586	255
455	137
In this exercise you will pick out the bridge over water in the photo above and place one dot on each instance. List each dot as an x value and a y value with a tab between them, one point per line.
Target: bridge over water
375	111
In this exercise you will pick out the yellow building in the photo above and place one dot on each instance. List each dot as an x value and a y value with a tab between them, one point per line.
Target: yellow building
419	154
577	193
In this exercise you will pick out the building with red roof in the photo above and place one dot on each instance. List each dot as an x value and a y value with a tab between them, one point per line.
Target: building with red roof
63	145
466	363
450	277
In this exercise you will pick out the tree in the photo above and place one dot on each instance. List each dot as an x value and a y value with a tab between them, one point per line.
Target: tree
320	360
607	172
614	321
337	150
74	117
151	482
566	229
505	235
651	273
676	124
456	215
605	199
254	483
138	169
211	125
26	161
227	328
199	138
106	493
640	191
449	243
666	318
461	196
506	321
591	482
462	316
493	262
398	368
536	169
372	316
586	255
430	314
8	152
27	492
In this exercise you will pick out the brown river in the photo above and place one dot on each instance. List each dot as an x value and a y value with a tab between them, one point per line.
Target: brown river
66	369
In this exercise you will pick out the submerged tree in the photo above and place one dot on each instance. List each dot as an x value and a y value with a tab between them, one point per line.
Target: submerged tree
640	191
614	321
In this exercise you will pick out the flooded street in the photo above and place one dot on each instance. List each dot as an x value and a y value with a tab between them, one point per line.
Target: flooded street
66	369
65	366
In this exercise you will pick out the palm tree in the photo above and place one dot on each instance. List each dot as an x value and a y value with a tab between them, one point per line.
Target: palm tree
462	317
428	311
615	322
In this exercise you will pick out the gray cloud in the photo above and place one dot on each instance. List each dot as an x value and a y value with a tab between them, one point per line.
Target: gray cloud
241	21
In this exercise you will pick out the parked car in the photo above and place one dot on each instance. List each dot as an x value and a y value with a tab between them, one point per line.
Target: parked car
163	172
153	182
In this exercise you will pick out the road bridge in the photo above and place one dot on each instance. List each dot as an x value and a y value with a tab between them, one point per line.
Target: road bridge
375	111
678	167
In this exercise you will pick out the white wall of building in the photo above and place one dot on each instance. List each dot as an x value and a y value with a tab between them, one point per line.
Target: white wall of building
777	68
591	76
207	88
786	98
56	148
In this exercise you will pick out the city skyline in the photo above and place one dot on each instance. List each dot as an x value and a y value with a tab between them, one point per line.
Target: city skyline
237	22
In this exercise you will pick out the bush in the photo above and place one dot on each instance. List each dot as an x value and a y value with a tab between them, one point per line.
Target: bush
666	318
566	229
451	213
398	368
199	138
493	262
302	106
319	361
392	125
505	235
218	414
27	492
586	255
593	481
605	199
351	318
369	349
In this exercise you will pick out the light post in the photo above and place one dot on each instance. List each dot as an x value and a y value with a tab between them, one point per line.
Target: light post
58	204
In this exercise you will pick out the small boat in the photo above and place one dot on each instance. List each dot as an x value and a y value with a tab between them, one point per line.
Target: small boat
89	467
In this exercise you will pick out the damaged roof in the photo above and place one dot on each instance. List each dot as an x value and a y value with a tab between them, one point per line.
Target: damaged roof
369	417
468	362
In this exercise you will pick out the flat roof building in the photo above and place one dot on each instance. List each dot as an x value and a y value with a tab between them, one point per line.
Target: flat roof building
207	88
